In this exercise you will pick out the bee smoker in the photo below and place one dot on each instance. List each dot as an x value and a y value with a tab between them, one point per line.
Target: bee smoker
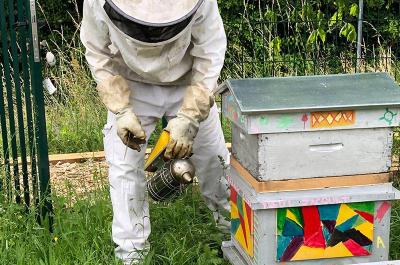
171	179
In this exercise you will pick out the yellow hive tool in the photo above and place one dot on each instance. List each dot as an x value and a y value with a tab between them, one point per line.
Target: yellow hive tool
156	156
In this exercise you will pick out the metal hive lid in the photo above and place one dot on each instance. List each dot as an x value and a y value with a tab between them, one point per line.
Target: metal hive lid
327	92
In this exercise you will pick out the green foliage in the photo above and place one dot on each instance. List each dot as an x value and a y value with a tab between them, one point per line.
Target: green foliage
395	231
308	37
349	31
183	233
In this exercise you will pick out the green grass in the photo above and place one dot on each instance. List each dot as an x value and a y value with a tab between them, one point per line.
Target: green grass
183	233
395	232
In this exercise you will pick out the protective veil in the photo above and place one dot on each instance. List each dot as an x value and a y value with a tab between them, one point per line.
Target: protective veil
159	70
195	55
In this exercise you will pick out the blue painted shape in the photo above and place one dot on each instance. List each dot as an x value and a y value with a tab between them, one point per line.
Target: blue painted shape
348	224
368	248
235	223
326	233
292	229
283	243
328	212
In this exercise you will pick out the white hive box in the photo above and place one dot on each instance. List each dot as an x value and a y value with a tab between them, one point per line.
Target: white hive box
314	126
328	226
309	172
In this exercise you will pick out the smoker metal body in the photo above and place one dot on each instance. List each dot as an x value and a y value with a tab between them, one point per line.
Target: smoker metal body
171	179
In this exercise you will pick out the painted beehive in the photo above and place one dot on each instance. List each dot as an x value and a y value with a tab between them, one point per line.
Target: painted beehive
310	181
314	126
346	225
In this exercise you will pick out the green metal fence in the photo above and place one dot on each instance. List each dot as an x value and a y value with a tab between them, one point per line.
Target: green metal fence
284	38
24	163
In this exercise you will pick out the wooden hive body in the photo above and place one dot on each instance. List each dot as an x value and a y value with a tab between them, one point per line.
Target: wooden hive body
309	169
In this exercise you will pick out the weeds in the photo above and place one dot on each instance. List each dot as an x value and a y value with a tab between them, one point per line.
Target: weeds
183	233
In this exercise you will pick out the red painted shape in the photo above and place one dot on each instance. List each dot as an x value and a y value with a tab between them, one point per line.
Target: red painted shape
367	216
242	224
235	116
249	213
355	248
304	119
233	195
380	213
313	236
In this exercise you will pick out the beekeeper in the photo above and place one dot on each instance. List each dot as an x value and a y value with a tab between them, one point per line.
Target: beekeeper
155	58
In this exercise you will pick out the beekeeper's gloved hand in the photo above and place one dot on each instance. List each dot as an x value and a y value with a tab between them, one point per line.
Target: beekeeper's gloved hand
115	94
183	129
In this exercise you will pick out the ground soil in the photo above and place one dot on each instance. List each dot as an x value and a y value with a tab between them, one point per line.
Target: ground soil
80	177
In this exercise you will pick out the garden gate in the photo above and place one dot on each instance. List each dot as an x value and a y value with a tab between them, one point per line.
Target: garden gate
24	163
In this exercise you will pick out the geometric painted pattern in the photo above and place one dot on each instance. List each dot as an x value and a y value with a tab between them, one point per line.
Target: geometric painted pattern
242	222
325	231
329	119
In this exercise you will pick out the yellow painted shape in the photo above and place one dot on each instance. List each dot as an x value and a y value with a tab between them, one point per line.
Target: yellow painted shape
329	119
239	235
379	242
158	149
234	211
345	213
248	229
292	217
367	229
308	253
338	251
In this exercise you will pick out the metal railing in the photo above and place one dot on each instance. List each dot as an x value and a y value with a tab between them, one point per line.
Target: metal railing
24	164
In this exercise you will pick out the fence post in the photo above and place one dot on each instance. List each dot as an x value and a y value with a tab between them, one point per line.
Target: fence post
40	119
359	34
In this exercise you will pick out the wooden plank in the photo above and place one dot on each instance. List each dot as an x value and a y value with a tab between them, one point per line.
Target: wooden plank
309	183
75	157
81	157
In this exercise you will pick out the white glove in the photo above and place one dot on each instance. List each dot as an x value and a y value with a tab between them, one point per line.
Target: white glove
182	133
183	129
115	94
129	129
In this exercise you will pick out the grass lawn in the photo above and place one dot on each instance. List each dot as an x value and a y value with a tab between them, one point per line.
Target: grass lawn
183	232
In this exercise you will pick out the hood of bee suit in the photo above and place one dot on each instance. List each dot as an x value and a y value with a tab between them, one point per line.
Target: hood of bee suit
151	21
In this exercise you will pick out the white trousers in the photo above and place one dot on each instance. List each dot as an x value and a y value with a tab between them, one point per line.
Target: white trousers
131	219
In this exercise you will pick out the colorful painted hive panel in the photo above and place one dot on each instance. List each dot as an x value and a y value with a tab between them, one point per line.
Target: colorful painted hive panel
330	119
242	222
325	231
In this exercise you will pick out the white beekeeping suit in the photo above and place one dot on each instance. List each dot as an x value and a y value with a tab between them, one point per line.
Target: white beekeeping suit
151	59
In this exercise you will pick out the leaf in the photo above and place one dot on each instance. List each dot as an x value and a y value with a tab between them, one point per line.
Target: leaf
344	30
340	3
275	45
352	36
313	36
336	18
354	10
349	31
322	34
